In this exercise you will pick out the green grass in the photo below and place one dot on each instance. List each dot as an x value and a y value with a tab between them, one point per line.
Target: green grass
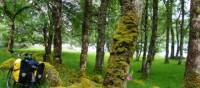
161	76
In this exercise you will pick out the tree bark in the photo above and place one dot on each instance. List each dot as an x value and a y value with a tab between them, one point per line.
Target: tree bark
172	30
56	15
145	35
192	73
85	40
11	37
101	35
172	44
182	32
152	46
177	39
48	37
124	40
45	57
168	19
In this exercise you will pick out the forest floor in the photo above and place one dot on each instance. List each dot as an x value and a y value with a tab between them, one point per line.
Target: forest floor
161	76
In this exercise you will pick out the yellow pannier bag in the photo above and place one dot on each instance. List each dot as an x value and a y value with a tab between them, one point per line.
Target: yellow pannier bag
16	70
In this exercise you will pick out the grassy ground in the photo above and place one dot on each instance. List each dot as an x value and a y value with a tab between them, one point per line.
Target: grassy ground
162	75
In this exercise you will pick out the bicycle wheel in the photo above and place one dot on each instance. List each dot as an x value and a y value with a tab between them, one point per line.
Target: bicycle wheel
10	83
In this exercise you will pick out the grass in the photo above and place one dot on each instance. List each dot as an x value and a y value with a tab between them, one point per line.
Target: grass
161	76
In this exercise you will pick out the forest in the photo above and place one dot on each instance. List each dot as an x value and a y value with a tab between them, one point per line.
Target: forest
99	43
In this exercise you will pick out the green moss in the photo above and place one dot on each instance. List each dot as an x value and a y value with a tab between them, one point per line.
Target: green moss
6	64
97	78
85	83
52	75
121	51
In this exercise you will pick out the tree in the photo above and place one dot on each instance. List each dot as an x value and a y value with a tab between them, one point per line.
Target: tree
172	30
168	26
192	72
182	31
152	46
122	47
101	35
145	35
85	40
56	16
48	35
177	36
12	14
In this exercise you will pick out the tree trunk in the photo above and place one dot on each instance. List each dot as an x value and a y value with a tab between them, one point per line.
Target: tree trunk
11	37
152	46
192	73
124	40
177	39
182	32
85	40
168	31
145	35
172	44
45	57
56	13
172	30
48	37
101	35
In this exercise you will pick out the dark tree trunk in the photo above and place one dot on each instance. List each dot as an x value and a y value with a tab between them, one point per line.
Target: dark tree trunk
101	35
152	46
45	57
48	37
56	15
145	36
168	31
177	38
172	30
172	44
11	37
182	32
124	39
192	73
85	40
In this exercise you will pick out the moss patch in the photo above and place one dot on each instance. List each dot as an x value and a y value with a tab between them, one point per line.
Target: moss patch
6	64
52	75
85	83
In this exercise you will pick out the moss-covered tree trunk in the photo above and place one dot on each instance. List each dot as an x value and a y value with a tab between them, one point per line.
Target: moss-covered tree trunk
101	35
56	15
85	36
121	50
192	73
